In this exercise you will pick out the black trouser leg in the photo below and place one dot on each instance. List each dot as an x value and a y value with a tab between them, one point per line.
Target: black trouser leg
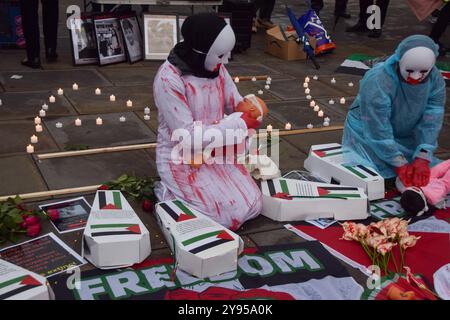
363	5
50	23
383	4
317	5
30	25
340	6
265	12
441	24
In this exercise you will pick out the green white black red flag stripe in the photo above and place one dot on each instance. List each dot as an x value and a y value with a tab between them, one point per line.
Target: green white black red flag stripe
328	152
109	200
207	240
177	210
12	287
99	230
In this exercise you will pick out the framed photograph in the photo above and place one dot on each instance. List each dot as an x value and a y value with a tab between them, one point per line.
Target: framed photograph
82	37
110	46
160	35
132	37
73	214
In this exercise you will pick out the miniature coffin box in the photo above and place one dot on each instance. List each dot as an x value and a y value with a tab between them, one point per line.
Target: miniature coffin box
327	162
114	236
17	283
201	246
294	200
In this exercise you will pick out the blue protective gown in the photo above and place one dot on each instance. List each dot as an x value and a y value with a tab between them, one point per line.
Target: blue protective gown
391	122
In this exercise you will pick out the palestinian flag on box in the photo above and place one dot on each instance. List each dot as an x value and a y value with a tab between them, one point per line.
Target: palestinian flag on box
110	200
12	287
207	240
361	171
177	210
358	64
114	229
328	152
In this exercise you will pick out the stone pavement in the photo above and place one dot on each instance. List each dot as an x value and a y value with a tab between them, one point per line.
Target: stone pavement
22	99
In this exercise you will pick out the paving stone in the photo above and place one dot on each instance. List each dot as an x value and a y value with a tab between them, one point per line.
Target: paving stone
337	106
86	101
299	114
342	81
130	76
293	90
250	87
111	133
52	80
95	169
252	69
259	224
20	105
19	175
17	133
305	141
274	237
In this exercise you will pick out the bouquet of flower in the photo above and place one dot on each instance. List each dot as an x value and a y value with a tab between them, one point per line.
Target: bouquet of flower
379	239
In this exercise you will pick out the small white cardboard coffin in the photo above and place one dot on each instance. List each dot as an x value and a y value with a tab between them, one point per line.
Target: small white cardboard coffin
327	162
201	246
17	283
114	236
312	200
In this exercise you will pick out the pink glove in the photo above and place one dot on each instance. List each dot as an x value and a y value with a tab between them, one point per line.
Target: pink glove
421	172
251	122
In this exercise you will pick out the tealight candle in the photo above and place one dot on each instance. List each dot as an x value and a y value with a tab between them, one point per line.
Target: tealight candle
267	87
30	149
146	117
269	79
129	103
310	126
99	121
112	98
236	80
305	85
42	113
122	119
269	128
308	97
38	128
60	92
75	86
326	123
254	79
45	107
52	99
288	126
78	122
307	90
1	102
98	91
316	108
307	79
316	77
59	125
312	104
333	80
320	113
34	139
37	120
327	119
146	110
342	101
331	101
350	84
260	92
269	82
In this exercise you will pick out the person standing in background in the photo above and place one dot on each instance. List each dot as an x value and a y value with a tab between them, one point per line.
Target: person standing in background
30	24
265	8
439	28
340	8
361	25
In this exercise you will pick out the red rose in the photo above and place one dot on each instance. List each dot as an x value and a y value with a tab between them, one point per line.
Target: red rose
34	230
103	187
148	206
31	221
53	214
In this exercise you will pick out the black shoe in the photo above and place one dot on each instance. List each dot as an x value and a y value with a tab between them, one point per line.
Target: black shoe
359	27
34	63
50	55
344	15
375	33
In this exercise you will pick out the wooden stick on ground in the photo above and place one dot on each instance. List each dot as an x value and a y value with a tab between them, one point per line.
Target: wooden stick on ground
50	193
64	154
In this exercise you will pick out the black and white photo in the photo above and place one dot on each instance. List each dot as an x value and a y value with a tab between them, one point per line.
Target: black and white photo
132	37
84	46
110	44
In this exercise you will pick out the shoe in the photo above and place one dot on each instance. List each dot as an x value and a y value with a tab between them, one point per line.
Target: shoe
34	63
359	27
264	23
375	33
51	55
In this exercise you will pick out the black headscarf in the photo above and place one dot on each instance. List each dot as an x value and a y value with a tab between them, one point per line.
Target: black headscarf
199	32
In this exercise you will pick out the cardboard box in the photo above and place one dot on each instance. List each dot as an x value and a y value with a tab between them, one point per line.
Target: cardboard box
202	247
114	236
278	46
17	283
327	162
312	200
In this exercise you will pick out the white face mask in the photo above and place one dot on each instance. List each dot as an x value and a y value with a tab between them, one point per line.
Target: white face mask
416	64
220	51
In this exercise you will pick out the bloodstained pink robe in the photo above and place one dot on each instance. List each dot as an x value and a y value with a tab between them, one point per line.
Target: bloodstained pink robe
224	192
